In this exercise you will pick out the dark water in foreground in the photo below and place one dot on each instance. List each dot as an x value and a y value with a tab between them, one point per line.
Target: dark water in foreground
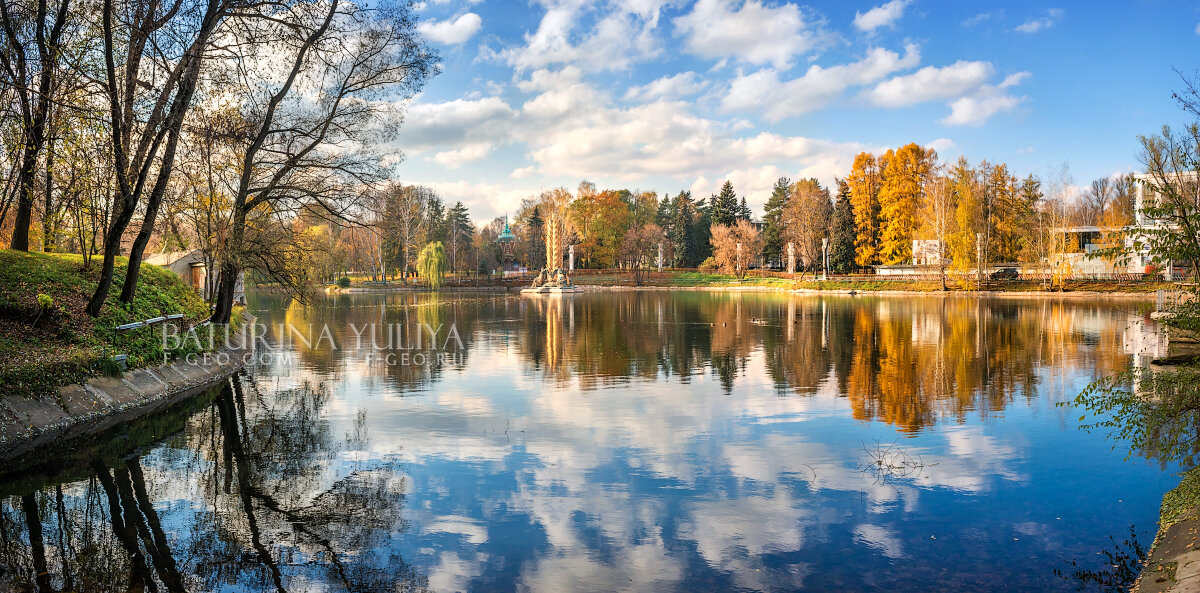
640	442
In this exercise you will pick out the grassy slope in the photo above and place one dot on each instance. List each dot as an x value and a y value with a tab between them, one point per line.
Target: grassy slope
41	352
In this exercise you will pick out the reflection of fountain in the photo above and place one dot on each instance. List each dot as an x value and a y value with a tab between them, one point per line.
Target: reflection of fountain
553	279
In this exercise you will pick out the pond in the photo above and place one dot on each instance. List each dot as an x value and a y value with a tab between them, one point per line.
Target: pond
644	441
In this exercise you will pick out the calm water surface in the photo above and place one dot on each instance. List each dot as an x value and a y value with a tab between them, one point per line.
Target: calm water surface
639	442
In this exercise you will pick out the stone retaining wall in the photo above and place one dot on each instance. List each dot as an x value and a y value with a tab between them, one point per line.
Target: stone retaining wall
29	423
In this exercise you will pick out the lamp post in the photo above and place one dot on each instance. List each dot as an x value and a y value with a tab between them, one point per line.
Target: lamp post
979	260
825	259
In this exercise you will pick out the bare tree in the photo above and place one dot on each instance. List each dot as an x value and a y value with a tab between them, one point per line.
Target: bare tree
940	209
806	220
146	119
1097	198
639	246
311	123
404	222
30	63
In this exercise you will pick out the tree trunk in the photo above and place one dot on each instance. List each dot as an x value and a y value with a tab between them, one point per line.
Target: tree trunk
112	247
226	287
134	269
48	232
20	236
37	547
47	50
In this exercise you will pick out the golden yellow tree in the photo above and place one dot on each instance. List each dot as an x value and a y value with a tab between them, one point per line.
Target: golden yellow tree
969	215
864	197
1009	216
901	192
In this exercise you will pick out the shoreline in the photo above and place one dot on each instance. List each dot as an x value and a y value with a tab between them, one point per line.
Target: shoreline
28	424
848	292
1146	295
1173	560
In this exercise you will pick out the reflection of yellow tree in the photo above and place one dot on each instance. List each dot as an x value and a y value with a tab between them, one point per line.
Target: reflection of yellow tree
914	362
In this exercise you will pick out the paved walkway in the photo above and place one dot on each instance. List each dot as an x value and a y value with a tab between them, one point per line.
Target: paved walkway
1174	563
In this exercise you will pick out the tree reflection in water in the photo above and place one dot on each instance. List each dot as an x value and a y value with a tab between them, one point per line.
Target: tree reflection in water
907	362
270	484
277	510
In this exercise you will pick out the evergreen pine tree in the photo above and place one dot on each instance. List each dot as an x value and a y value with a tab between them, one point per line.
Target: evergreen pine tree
724	206
842	232
773	220
682	231
666	213
458	232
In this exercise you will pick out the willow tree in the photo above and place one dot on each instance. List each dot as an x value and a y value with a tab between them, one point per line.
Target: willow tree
319	87
431	264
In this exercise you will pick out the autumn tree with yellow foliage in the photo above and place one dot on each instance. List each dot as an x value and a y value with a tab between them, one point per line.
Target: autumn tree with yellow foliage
864	198
903	176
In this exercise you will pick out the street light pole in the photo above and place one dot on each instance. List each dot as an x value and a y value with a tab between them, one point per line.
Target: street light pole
979	260
825	259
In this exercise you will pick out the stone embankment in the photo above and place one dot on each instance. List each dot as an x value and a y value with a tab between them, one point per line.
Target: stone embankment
30	423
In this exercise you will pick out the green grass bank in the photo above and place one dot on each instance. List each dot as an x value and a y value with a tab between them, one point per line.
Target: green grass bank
48	341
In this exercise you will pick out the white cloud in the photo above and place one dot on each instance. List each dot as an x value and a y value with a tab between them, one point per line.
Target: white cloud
452	32
466	154
483	200
752	32
616	40
972	100
880	16
941	144
975	20
930	83
546	80
668	87
764	92
1043	22
455	123
576	132
1198	28
974	110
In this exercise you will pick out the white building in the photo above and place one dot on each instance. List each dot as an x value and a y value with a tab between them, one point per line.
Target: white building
190	266
1140	255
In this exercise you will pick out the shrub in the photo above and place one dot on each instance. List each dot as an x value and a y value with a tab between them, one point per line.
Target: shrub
708	265
45	301
344	282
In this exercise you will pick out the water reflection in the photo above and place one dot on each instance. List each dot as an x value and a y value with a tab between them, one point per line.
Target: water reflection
253	492
628	441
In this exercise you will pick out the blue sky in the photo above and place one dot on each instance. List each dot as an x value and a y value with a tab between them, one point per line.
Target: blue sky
666	96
